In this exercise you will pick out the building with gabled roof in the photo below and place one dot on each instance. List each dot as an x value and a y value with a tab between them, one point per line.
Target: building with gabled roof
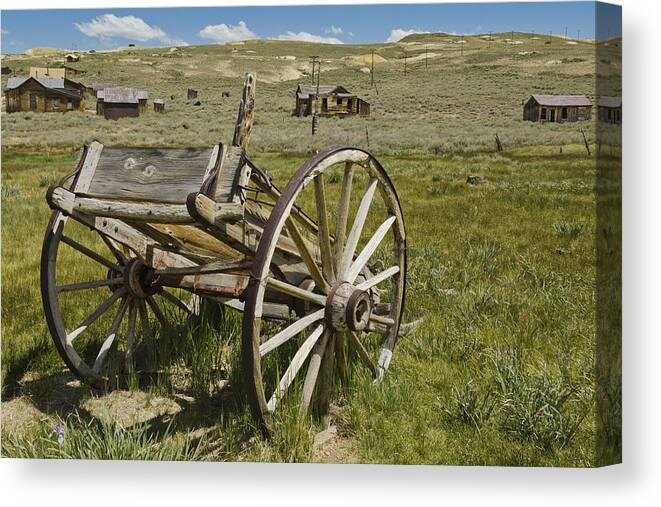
43	95
557	108
333	100
609	109
119	102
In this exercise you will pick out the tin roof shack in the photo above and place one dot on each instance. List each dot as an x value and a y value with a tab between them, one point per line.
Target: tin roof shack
159	106
609	109
333	100
142	101
43	95
118	102
557	108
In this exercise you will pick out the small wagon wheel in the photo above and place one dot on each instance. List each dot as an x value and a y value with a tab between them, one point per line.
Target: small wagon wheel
99	302
353	294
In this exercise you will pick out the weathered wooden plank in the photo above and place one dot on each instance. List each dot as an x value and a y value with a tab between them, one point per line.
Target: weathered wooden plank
164	175
227	178
244	121
358	224
151	212
89	167
369	249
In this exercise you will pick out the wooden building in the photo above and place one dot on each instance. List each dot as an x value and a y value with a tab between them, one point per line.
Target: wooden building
43	95
191	94
557	108
609	109
142	100
159	106
117	102
6	70
333	100
72	58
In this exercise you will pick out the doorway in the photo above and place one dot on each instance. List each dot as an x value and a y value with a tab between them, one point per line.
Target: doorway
33	102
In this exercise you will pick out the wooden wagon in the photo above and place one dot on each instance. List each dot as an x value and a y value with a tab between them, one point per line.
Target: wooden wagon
140	239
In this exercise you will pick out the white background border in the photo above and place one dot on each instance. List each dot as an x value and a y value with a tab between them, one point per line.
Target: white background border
636	482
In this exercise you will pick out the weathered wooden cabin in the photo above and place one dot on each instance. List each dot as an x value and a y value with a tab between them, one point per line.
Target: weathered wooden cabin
6	70
191	94
609	109
557	108
159	106
333	100
117	102
43	95
142	100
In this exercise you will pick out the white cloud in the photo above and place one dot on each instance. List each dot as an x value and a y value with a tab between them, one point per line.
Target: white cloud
308	37
227	33
335	30
398	34
108	26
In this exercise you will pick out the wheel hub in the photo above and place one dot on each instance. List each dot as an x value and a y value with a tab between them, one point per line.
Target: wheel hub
139	279
348	308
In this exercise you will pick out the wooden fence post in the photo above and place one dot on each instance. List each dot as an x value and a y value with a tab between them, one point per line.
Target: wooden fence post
499	145
587	145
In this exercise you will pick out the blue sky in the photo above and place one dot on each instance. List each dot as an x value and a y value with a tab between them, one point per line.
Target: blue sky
108	28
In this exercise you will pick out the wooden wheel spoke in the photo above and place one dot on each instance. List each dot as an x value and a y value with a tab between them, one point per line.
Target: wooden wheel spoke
107	282
112	246
313	371
377	279
110	338
144	320
90	253
342	217
289	332
296	363
380	319
369	249
100	310
157	311
175	300
297	292
324	233
362	352
358	224
307	255
130	334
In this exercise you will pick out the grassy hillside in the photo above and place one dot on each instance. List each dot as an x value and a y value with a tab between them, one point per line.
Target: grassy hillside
455	98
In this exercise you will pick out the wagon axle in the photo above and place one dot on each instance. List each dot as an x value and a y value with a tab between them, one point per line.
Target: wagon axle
348	308
140	279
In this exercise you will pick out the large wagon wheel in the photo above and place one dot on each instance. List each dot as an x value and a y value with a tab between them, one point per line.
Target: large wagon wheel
353	295
99	301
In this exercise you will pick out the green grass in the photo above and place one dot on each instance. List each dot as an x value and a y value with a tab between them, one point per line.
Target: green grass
500	372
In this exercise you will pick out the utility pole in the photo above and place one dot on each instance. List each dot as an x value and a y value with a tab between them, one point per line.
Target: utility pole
316	62
404	62
313	62
565	32
426	56
372	71
462	45
490	37
579	35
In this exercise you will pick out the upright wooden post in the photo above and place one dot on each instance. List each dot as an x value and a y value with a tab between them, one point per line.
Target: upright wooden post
372	71
587	145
